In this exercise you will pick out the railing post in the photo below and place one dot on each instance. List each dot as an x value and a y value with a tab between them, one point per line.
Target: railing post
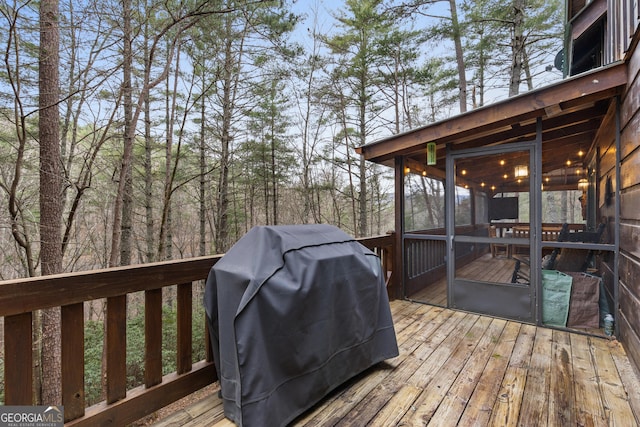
395	255
116	346
152	337
398	232
18	357
72	347
185	320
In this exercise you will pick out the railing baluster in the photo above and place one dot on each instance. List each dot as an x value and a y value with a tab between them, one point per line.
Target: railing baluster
185	319
153	337
72	325
18	356
116	343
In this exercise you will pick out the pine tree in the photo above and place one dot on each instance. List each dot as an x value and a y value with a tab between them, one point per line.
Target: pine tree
50	193
356	98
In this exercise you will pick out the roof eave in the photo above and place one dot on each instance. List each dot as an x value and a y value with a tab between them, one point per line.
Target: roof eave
605	82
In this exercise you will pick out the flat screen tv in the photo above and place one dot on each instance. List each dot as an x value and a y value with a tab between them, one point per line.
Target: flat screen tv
503	208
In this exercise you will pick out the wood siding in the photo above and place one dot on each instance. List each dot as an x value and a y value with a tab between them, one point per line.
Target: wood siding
622	21
628	316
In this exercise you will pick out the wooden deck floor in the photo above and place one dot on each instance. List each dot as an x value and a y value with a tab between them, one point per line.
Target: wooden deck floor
463	369
485	268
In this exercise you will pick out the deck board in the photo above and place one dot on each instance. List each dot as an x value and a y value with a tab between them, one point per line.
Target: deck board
485	394
536	397
506	410
592	412
457	397
459	368
561	394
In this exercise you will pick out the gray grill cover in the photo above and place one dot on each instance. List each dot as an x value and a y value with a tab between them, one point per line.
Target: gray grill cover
294	311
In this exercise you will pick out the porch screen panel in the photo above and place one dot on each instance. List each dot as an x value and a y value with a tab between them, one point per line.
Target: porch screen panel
424	240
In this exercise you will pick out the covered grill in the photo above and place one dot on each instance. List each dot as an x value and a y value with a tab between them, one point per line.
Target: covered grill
294	311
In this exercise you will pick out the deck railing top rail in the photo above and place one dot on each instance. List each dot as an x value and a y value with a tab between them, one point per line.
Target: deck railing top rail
36	293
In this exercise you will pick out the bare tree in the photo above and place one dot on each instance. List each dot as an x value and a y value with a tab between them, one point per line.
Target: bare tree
169	31
313	114
23	128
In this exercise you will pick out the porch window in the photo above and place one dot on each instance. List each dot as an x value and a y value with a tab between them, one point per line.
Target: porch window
424	203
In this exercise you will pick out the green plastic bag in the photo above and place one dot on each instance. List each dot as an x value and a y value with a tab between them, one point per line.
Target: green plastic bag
556	295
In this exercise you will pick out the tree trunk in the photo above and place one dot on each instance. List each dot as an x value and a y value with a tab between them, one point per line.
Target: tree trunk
274	172
526	68
121	204
222	217
517	47
363	227
165	249
481	71
457	40
50	193
362	199
309	137
129	135
306	163
148	169
349	164
202	212
564	207
127	215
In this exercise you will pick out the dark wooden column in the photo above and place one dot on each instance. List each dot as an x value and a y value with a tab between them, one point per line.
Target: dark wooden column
398	262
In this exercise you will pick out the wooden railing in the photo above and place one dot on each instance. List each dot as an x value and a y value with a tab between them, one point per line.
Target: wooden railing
426	259
20	299
383	247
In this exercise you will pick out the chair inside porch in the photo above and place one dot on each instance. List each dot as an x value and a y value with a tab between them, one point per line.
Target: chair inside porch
459	368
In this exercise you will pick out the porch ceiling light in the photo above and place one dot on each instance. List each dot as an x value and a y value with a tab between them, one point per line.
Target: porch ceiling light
522	171
583	184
